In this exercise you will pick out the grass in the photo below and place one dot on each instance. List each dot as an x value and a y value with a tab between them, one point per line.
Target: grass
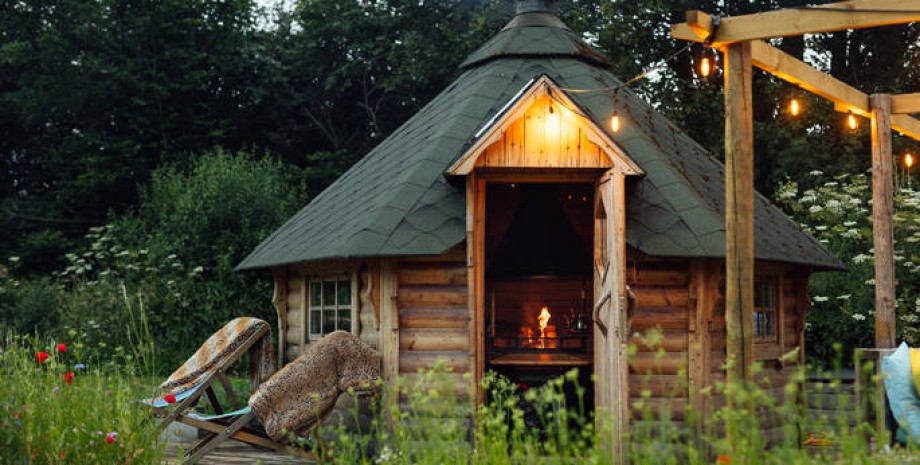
54	413
44	419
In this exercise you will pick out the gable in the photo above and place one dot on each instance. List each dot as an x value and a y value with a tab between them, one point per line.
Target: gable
541	127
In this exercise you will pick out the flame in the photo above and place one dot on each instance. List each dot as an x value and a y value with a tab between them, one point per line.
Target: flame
543	319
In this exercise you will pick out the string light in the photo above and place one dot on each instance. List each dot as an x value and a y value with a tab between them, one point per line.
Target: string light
615	122
705	67
908	160
794	107
852	123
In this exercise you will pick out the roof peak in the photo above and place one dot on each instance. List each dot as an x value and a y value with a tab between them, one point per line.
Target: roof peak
535	6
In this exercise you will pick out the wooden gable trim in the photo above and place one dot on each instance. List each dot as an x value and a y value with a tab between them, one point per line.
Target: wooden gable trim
541	88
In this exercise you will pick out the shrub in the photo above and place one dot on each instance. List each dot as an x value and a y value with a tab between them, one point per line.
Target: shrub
837	211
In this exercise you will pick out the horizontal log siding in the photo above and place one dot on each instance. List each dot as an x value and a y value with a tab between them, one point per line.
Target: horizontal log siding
434	321
657	380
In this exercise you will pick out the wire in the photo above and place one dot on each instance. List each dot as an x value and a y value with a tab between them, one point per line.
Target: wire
645	73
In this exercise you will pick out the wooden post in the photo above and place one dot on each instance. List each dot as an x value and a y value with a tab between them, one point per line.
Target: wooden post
389	325
882	231
739	211
475	272
279	300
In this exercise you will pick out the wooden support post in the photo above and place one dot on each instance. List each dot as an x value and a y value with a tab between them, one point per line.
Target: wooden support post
739	211
389	325
882	231
475	272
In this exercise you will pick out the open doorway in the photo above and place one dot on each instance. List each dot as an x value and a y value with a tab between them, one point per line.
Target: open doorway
539	241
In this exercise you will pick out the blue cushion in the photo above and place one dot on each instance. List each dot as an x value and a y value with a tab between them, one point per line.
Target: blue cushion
899	387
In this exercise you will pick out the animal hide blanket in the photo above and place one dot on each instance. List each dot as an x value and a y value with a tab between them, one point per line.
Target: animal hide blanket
302	392
215	353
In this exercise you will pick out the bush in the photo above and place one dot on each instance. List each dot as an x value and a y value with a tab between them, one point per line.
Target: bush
178	251
837	211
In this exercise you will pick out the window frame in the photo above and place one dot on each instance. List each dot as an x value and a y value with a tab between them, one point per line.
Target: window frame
773	281
351	278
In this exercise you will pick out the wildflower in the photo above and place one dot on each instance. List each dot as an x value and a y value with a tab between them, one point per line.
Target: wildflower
859	316
56	390
110	438
815	208
724	459
68	378
40	357
79	367
61	348
169	398
819	298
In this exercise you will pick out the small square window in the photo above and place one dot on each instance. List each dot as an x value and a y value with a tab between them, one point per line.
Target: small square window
330	306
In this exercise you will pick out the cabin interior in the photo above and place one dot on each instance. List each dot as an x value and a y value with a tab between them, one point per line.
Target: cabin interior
538	280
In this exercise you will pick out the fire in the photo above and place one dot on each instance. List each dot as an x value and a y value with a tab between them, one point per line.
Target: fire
543	319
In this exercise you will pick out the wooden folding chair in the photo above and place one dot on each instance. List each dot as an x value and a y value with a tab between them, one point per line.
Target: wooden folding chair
202	373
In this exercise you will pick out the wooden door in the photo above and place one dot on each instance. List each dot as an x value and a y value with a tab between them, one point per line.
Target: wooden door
609	299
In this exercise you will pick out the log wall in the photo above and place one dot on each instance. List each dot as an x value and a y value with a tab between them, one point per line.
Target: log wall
291	295
434	318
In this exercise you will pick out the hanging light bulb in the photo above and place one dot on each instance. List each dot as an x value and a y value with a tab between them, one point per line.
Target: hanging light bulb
794	107
908	160
852	123
615	122
705	66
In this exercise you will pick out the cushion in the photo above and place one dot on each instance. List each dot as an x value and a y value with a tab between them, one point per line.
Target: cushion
899	387
915	367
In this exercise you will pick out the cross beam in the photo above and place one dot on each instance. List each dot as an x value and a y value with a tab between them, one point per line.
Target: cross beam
857	14
844	97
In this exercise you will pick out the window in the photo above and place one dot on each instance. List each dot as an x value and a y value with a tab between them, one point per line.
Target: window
330	306
764	310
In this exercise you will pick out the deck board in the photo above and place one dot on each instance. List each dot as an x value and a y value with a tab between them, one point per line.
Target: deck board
233	452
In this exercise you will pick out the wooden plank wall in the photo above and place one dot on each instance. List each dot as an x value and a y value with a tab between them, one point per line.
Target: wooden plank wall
657	376
540	139
434	319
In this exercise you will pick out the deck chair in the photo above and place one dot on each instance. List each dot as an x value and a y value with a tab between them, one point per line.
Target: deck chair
206	370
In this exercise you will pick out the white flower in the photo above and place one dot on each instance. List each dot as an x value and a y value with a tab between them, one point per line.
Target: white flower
821	228
820	298
870	282
815	208
843	297
861	258
849	223
832	203
859	316
816	172
13	259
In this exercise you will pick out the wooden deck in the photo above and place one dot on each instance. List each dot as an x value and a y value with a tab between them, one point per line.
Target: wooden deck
233	452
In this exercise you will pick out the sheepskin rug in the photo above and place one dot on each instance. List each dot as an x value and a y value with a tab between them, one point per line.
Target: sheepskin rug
294	398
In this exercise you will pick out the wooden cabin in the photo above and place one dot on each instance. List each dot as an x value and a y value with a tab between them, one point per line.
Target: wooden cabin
508	227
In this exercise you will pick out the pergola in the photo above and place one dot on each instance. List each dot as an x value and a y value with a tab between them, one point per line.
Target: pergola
741	39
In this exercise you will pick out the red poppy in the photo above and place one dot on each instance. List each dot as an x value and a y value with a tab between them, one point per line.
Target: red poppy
61	348
110	439
68	377
40	357
723	459
169	398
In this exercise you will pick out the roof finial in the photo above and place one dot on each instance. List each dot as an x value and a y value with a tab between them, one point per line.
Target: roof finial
536	6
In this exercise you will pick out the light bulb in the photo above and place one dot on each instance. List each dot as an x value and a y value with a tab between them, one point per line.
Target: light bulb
908	160
705	67
794	107
852	122
615	122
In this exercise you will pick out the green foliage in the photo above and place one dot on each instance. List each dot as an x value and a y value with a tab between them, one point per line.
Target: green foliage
837	211
44	419
171	261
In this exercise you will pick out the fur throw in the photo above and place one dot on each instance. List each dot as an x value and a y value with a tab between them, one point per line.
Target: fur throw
302	392
214	353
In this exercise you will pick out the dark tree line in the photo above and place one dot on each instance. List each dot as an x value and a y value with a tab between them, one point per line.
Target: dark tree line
95	95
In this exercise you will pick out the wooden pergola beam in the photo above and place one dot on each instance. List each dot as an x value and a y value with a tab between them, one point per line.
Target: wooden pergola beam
845	97
905	104
702	27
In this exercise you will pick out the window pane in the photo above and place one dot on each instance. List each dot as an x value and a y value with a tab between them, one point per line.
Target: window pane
328	292
345	320
316	318
328	321
316	294
344	293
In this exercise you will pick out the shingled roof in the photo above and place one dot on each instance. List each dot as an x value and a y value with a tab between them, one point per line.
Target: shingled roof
397	201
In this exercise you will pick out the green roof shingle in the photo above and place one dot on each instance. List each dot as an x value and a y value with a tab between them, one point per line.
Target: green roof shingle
397	201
